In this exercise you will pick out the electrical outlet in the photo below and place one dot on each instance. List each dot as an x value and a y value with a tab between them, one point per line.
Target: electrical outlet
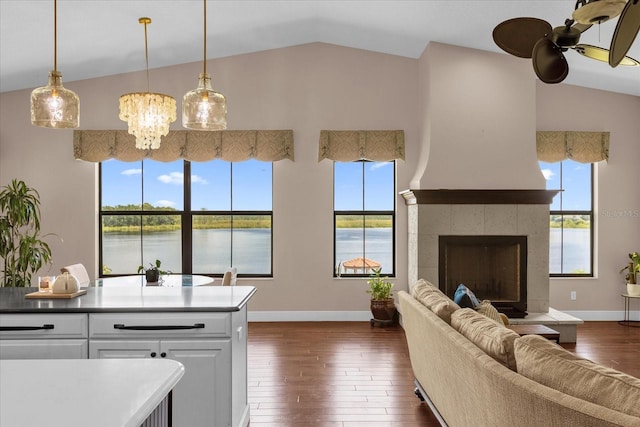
573	295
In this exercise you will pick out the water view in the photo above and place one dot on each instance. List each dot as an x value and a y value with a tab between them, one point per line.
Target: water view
251	250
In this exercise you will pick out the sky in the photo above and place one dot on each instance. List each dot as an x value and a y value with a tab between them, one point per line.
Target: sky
575	178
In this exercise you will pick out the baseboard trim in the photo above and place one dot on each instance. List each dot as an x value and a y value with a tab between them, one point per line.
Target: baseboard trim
309	316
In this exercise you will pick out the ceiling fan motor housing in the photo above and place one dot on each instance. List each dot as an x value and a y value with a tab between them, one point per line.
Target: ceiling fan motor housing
565	37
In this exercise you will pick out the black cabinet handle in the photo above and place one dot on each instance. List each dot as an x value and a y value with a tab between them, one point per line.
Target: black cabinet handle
153	354
157	327
26	328
163	354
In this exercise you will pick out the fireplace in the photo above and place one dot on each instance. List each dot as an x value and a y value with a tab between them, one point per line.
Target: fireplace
493	267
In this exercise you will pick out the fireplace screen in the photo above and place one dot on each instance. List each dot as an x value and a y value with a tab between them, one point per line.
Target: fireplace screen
493	267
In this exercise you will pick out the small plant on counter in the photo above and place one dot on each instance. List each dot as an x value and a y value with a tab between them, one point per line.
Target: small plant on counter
153	272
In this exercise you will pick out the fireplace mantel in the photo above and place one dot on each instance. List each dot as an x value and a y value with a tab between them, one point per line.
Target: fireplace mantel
478	197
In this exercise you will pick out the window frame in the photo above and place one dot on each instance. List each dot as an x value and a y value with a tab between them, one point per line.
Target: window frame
186	217
364	214
573	212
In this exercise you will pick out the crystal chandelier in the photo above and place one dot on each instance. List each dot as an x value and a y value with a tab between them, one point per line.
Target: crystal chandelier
147	114
53	106
203	108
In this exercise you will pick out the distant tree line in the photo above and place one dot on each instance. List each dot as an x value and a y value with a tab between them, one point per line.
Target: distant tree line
570	221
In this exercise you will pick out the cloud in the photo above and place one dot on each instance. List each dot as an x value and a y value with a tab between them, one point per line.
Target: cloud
548	174
165	203
129	172
172	178
197	179
378	165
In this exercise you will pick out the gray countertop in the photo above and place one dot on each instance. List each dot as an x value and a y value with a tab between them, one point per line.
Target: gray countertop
131	299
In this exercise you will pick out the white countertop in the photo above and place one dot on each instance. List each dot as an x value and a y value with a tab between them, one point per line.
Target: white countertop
81	393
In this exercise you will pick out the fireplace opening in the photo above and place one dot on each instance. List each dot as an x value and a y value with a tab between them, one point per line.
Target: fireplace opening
493	267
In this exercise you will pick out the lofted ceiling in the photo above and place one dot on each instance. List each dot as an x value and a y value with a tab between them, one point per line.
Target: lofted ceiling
103	37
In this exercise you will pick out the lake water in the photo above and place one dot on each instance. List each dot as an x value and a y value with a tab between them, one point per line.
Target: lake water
251	250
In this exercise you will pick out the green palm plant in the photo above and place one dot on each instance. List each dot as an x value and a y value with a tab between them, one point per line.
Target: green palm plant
21	248
633	267
379	286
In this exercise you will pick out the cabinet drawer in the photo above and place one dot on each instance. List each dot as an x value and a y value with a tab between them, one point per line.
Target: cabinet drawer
57	325
159	325
44	349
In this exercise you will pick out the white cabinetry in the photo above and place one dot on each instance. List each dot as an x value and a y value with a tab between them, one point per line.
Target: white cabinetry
205	343
43	336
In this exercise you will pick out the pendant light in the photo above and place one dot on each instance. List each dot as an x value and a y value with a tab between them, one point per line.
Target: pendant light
203	108
53	106
147	114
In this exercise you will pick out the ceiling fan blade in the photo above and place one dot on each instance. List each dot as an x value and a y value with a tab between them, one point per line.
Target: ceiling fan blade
598	11
602	54
625	32
549	62
517	36
581	27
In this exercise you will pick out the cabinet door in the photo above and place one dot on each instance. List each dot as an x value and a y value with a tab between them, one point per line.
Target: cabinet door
203	396
43	349
123	349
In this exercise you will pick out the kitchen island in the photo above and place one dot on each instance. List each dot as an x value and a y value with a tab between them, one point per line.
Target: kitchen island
204	328
97	393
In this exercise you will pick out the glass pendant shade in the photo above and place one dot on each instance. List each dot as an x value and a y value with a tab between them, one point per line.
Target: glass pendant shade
203	108
148	116
53	106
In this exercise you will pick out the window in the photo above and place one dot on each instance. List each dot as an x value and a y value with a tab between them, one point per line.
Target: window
364	218
571	218
199	218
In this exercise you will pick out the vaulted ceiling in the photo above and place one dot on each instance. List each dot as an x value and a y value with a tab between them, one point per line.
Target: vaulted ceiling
103	37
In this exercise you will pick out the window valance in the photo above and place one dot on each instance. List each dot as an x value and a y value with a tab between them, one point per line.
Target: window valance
583	147
196	146
351	145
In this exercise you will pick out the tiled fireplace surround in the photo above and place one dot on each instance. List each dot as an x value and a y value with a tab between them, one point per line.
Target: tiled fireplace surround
432	213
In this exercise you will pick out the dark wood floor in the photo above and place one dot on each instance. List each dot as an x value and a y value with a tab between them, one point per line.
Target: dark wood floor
350	374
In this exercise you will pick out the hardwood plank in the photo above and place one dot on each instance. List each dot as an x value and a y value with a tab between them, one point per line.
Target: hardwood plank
348	374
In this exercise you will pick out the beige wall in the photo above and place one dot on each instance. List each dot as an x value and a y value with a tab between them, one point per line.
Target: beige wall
308	88
305	88
617	216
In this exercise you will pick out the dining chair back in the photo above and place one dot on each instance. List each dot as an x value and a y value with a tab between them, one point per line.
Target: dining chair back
229	278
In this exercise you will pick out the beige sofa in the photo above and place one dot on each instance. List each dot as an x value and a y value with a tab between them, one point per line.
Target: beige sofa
491	377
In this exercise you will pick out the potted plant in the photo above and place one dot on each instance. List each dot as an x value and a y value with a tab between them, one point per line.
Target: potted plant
21	248
383	306
153	272
633	270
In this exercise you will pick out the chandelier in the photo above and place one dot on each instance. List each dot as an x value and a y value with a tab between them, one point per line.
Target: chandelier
53	106
203	108
147	114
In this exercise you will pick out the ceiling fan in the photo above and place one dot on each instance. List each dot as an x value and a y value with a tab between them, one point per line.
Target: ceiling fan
535	38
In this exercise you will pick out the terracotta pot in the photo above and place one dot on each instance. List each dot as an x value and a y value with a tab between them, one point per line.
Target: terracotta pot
383	309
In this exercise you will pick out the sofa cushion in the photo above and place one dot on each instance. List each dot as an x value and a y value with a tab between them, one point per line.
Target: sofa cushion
546	362
487	309
491	337
434	299
465	298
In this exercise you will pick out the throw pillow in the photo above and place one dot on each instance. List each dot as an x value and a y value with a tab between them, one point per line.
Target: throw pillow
546	362
465	298
492	338
432	298
487	309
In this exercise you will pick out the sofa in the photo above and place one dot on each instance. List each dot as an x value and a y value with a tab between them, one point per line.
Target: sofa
474	371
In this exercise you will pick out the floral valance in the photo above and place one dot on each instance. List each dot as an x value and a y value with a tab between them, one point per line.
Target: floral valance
583	147
196	146
351	145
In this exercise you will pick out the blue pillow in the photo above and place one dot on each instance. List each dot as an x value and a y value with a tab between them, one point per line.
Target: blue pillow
465	298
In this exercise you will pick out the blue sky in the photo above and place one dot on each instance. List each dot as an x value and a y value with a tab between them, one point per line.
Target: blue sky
576	179
210	184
